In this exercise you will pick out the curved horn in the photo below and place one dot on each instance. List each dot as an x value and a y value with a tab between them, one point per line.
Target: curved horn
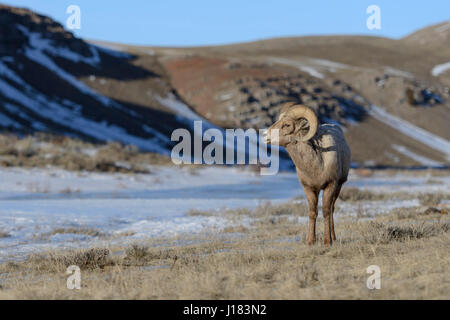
285	108
300	111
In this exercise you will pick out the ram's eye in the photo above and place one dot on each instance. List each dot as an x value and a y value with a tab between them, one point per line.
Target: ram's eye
286	125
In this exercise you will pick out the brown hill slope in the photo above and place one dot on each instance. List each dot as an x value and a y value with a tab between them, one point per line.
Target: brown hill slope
437	35
340	76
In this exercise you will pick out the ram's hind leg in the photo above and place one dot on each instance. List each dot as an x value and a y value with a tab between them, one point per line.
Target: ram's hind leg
336	195
312	196
328	198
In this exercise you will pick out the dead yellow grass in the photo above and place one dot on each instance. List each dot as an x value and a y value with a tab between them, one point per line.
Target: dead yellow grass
356	194
43	150
268	261
81	231
353	194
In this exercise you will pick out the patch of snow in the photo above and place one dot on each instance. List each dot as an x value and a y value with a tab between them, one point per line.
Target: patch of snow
180	108
91	152
298	64
8	73
311	66
71	117
16	110
396	72
418	158
158	137
313	72
431	140
331	65
393	157
8	122
381	83
440	68
443	28
226	96
40	44
37	53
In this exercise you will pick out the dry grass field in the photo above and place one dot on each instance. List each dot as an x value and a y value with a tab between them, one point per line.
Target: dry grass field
264	257
43	150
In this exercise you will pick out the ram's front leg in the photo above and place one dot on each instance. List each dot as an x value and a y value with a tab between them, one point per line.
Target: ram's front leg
313	197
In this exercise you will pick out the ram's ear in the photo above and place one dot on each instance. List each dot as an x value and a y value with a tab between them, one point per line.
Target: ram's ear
302	126
300	112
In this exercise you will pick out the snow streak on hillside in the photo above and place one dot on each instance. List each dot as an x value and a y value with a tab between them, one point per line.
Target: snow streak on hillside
412	131
440	68
313	67
416	157
38	110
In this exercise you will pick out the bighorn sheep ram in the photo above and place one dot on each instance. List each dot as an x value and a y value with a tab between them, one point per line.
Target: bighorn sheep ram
321	156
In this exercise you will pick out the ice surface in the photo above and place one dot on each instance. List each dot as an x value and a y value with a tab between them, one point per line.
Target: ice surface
35	202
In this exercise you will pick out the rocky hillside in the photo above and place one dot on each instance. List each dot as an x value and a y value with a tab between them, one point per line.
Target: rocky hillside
245	93
390	96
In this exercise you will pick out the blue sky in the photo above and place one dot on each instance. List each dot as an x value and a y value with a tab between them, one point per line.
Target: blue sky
201	22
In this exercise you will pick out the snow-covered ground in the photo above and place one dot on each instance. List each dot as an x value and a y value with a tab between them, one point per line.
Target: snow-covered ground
35	202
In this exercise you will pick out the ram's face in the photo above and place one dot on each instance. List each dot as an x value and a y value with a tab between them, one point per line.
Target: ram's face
281	132
295	123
